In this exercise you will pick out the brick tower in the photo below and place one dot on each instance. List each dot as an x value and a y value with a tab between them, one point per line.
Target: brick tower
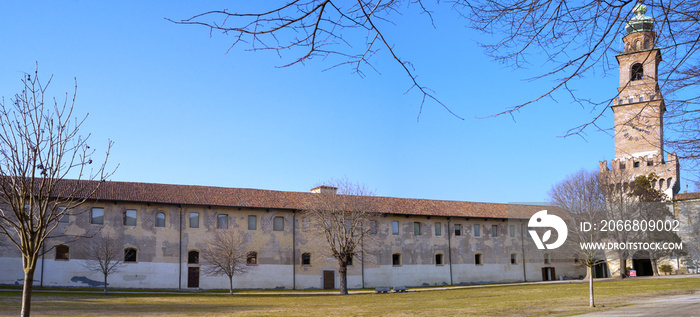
639	111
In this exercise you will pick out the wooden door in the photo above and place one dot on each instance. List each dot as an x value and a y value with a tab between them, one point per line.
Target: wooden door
192	277
328	279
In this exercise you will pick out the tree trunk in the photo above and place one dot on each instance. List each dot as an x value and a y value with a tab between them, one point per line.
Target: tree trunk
27	290
230	285
105	291
343	271
654	267
623	267
591	301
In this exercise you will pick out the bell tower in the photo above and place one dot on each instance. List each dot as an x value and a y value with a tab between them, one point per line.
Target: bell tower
639	111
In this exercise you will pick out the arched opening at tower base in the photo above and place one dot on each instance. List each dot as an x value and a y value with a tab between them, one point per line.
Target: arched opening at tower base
641	263
600	270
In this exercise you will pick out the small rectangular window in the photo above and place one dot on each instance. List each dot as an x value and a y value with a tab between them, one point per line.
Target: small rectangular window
511	230
373	227
631	99
97	216
395	227
635	164
222	221
130	217
396	259
494	231
478	259
513	258
416	228
129	255
458	230
252	258
278	224
650	163
349	261
194	220
641	98
438	259
547	260
62	252
477	230
622	166
438	229
64	217
252	222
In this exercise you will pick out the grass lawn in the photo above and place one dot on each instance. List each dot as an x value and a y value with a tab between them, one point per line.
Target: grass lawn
520	300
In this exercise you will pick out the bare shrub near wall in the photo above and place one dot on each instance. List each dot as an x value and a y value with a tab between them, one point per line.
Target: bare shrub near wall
341	212
225	254
104	254
40	148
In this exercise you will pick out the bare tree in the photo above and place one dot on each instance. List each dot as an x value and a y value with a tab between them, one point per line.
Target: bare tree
350	33
103	254
40	147
225	254
342	212
580	195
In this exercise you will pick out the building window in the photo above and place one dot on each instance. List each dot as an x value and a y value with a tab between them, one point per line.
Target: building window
650	163
63	218
547	260
221	221
373	227
252	222
438	229
396	259
635	164
477	230
458	230
160	219
511	230
278	224
349	261
438	259
637	72
395	227
641	98
193	257
129	255
252	258
622	166
513	258
130	217
494	231
306	259
62	252
194	220
416	228
478	259
97	216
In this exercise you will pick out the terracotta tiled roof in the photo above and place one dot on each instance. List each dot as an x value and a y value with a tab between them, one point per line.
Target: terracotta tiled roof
258	198
687	196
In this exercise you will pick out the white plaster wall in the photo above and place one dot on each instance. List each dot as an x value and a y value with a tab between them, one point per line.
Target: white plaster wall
267	276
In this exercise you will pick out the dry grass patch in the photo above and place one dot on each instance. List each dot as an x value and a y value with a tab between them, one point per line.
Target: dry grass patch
543	299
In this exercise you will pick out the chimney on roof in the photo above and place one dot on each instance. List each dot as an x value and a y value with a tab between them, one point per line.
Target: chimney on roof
324	189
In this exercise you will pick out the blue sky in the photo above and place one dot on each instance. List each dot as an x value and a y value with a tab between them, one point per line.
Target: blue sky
183	110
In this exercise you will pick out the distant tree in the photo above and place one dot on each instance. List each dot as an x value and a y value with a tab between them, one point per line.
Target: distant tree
40	147
103	254
225	254
580	195
341	212
666	268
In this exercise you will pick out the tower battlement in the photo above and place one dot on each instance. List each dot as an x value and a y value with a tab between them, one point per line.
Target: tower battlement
623	171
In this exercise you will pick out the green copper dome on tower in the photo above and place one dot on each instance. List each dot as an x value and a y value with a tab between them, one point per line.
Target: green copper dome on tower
640	22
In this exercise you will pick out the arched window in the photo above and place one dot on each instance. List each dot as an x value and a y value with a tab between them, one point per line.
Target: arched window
252	258
661	183
193	257
129	255
62	252
160	219
306	259
668	183
637	72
